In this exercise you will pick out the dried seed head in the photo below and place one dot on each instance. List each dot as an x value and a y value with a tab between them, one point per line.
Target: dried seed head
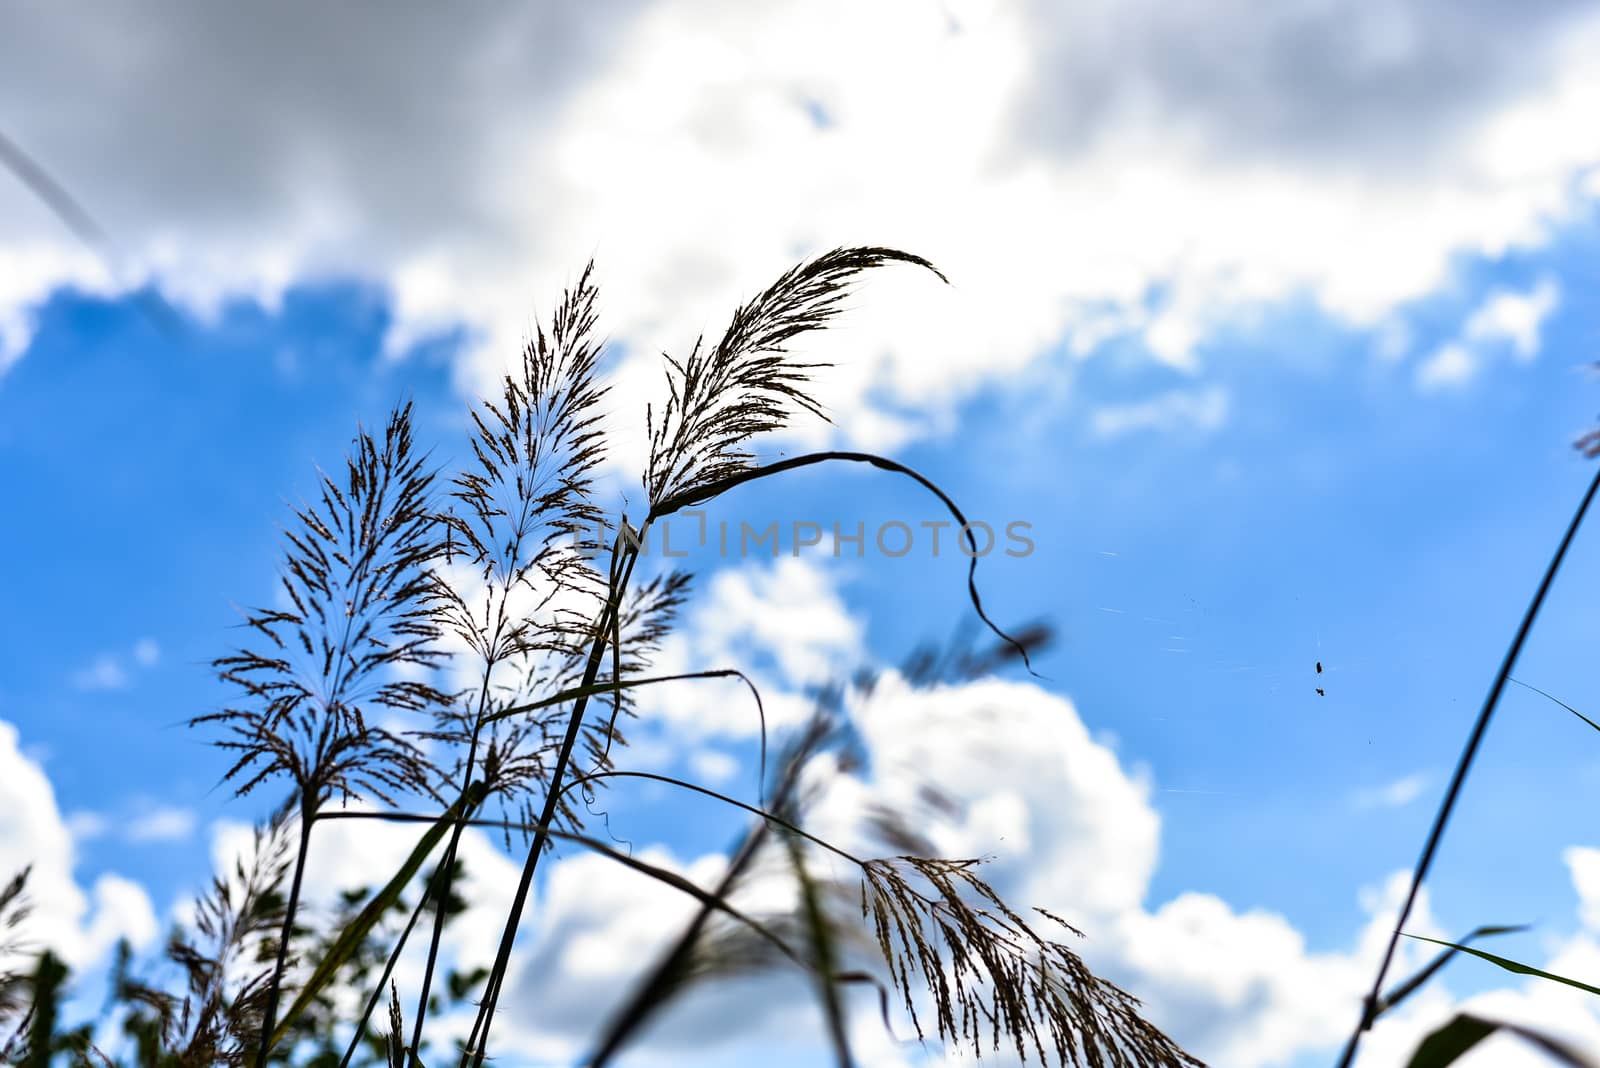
359	582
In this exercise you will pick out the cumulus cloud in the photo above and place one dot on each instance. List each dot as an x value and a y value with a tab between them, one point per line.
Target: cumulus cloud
1551	1008
783	622
1506	321
1063	824
1138	165
789	611
1069	828
347	854
79	926
600	930
1514	318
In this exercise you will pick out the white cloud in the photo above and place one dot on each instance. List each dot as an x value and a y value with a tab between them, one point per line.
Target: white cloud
163	823
79	926
1236	988
1203	410
146	652
599	929
1396	794
85	826
1557	1010
786	612
1450	365
1070	829
1063	164
713	767
1064	826
1584	863
364	854
1506	319
110	671
1516	318
104	673
789	609
146	822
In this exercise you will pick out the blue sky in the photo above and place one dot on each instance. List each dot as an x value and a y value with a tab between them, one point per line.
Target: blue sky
1264	404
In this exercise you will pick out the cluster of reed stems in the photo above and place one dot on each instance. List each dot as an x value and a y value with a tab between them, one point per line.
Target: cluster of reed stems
444	653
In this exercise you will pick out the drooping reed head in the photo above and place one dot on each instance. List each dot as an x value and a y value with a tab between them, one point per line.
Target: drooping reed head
719	397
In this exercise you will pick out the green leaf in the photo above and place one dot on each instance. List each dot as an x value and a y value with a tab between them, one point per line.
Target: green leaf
1409	987
1445	1045
1511	965
355	933
819	932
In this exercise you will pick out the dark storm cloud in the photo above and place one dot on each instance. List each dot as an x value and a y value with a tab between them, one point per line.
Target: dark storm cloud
1375	84
215	114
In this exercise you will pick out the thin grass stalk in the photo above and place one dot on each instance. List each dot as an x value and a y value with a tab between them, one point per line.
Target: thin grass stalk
377	990
639	1006
467	808
1463	765
624	556
478	1041
672	879
448	867
269	1017
647	994
617	685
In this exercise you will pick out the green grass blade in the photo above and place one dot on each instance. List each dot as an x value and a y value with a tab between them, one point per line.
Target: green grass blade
351	938
1410	986
819	932
1511	965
